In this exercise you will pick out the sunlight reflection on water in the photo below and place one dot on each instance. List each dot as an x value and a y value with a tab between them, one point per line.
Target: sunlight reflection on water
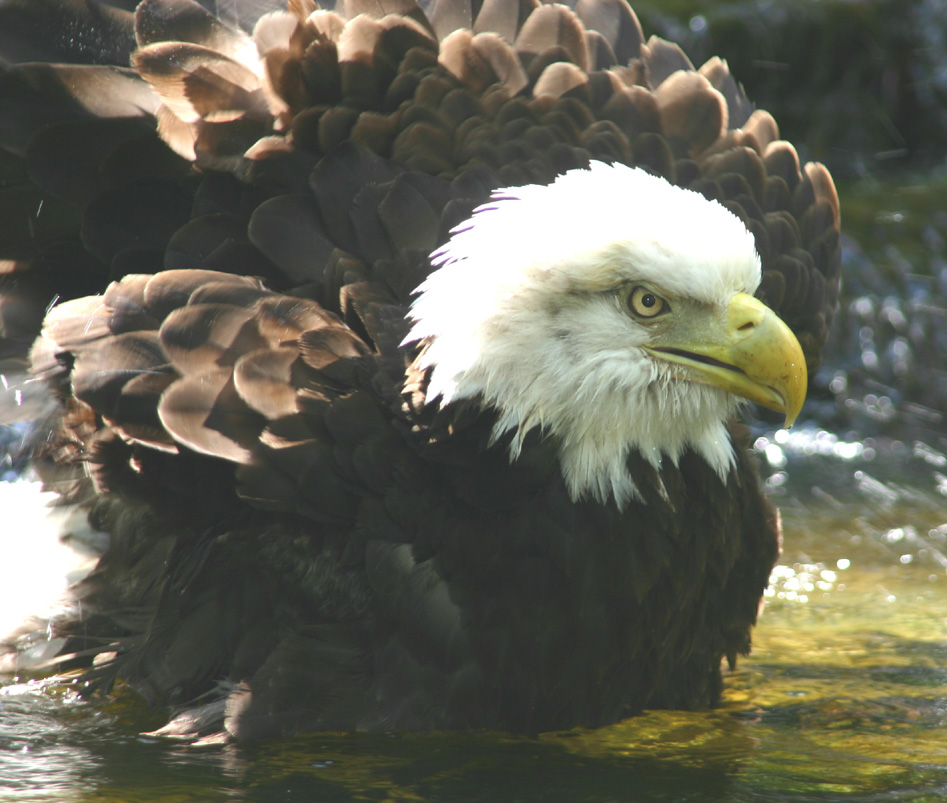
41	755
809	441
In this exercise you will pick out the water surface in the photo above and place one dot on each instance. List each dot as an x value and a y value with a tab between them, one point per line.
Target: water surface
843	698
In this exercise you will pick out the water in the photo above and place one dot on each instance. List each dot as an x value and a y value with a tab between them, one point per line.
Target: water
843	698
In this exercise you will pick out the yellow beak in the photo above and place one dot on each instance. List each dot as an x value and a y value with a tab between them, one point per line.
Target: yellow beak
747	351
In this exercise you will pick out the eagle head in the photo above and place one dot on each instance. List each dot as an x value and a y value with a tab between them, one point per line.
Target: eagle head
614	311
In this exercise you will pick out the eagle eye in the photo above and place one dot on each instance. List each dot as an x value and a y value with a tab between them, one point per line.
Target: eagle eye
645	303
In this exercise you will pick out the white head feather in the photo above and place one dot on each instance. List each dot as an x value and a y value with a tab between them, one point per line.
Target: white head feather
522	312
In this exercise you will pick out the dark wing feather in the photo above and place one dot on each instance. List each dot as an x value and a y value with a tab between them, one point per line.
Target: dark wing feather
289	232
241	401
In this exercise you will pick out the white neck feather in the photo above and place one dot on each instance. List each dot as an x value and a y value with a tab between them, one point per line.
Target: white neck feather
522	314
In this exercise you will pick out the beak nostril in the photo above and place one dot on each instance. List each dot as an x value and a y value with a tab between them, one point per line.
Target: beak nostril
746	326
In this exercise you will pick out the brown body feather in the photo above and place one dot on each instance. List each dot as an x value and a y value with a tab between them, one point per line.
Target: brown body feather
294	532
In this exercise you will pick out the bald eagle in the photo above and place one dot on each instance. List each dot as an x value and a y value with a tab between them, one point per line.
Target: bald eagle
403	371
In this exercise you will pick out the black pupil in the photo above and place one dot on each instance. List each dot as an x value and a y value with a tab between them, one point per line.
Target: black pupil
647	300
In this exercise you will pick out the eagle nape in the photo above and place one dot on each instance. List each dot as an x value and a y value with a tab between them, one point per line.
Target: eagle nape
399	350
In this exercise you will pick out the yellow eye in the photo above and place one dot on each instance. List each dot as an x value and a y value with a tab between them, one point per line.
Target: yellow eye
645	303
